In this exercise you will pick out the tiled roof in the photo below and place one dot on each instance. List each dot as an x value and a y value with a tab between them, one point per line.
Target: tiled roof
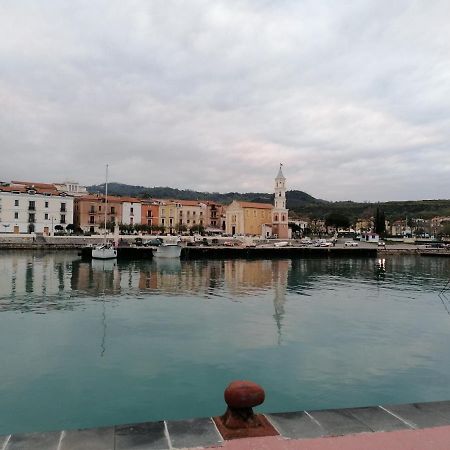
255	205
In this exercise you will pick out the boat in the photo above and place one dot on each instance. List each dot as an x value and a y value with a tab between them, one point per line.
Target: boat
105	250
168	250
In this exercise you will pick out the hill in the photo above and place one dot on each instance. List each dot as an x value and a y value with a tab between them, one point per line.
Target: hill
298	202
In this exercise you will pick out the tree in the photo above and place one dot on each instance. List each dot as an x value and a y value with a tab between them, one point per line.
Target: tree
337	220
200	229
59	227
181	228
70	228
380	222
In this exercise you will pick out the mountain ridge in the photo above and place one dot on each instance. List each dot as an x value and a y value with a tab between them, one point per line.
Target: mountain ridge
299	202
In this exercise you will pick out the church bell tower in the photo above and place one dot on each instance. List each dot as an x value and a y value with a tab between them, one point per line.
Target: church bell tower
279	212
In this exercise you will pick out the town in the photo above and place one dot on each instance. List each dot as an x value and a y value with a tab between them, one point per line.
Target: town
61	209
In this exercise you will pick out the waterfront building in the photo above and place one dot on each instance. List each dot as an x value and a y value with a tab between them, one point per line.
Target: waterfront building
280	227
248	218
34	208
150	213
192	213
89	212
131	211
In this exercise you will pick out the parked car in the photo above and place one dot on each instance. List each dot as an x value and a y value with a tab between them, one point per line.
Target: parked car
382	244
326	244
351	244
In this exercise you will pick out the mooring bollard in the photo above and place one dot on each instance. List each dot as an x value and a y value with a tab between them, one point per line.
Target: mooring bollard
239	419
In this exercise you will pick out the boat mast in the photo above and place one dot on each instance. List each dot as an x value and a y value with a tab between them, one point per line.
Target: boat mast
106	199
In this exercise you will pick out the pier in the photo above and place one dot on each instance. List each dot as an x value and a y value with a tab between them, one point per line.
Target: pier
221	252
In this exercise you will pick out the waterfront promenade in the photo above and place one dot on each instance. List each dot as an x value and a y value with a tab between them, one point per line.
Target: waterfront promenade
419	426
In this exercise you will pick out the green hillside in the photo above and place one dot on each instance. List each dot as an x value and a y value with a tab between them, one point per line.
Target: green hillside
300	203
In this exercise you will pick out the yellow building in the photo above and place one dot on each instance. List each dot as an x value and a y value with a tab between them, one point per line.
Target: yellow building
247	218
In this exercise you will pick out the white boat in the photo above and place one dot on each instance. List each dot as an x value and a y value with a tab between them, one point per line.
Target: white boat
105	250
168	250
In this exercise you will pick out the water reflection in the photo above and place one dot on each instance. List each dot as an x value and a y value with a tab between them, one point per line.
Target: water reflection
33	281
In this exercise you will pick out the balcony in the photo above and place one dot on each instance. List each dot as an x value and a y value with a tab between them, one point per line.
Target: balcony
63	209
31	208
31	219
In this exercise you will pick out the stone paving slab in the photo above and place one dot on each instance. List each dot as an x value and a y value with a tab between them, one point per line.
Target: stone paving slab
443	408
193	433
295	425
92	439
34	441
3	441
377	419
337	422
141	436
418	416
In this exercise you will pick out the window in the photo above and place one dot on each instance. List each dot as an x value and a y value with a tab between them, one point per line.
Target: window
193	213
63	218
170	221
113	210
92	209
45	216
92	229
31	206
16	214
99	208
46	204
201	213
63	207
162	221
131	210
131	220
31	218
91	219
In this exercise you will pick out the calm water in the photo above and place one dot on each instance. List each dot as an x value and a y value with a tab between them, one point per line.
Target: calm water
87	344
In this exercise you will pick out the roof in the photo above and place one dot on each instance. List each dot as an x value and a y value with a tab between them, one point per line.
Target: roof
24	189
35	185
111	198
255	205
280	173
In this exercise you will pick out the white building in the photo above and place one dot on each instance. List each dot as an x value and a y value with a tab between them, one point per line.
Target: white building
131	211
36	208
72	188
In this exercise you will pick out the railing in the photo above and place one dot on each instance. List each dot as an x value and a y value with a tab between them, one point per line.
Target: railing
31	208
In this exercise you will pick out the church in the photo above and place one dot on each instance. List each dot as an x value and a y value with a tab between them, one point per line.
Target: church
260	219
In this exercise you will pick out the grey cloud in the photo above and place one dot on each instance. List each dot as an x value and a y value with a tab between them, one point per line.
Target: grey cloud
352	97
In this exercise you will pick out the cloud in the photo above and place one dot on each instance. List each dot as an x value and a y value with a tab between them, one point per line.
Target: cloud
353	98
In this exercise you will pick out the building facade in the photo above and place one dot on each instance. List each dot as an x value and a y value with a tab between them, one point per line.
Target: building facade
34	208
247	218
89	212
131	211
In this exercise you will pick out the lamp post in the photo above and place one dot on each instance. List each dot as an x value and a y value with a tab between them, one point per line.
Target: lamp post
53	233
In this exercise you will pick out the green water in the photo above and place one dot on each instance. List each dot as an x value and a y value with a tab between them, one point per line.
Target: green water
87	344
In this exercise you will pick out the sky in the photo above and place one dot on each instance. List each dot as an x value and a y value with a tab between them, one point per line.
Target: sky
353	97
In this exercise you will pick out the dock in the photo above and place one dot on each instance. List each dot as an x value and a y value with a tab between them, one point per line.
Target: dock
222	252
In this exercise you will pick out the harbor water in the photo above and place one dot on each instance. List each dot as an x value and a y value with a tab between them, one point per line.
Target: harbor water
92	343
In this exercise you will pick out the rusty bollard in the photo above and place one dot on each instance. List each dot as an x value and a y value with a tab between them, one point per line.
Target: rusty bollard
239	420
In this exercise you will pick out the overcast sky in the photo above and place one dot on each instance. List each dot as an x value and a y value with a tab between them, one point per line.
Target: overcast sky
352	96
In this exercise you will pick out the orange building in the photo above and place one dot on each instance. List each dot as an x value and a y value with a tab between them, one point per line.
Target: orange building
89	212
150	213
